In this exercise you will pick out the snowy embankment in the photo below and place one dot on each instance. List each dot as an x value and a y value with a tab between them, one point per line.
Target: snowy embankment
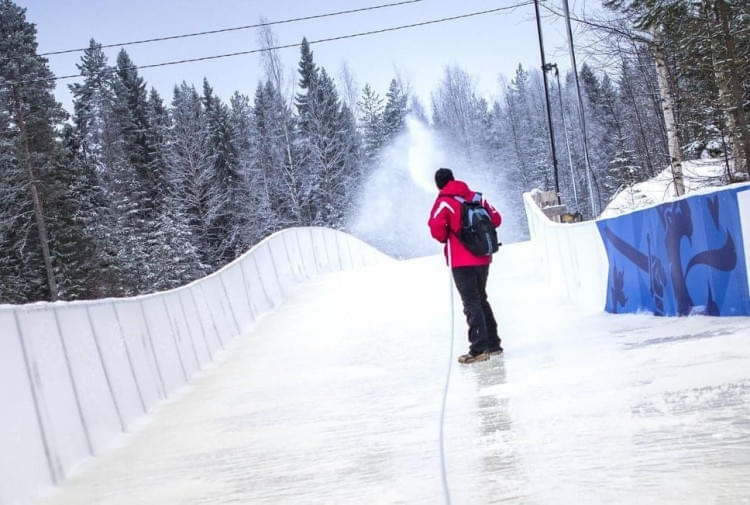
698	176
74	375
651	252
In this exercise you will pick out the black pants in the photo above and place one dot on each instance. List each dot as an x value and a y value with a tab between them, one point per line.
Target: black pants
471	283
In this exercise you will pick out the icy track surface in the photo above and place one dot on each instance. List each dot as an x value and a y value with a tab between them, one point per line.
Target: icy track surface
335	398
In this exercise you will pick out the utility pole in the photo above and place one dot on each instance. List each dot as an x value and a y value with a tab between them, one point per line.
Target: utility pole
546	97
581	114
550	66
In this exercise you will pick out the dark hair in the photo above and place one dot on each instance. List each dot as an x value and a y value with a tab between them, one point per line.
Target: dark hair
442	176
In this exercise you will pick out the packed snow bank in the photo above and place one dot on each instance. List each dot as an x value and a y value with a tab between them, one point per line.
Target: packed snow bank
698	175
74	375
685	256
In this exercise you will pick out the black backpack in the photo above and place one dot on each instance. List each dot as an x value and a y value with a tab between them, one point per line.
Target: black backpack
477	232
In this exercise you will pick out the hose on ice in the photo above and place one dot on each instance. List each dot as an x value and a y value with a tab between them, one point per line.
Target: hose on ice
443	472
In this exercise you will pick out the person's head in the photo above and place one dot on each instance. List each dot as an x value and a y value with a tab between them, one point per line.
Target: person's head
442	177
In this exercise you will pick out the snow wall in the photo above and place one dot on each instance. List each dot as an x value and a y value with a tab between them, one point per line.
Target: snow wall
686	256
74	375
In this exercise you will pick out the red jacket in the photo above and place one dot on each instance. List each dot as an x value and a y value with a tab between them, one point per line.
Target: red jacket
446	216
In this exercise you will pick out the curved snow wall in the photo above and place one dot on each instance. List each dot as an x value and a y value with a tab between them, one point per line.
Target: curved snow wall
687	256
74	375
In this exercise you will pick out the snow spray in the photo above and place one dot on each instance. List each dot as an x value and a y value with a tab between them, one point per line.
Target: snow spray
398	194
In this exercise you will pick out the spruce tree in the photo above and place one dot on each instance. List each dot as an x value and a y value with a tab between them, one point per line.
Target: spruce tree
187	157
308	72
372	124
29	156
267	157
175	257
395	111
227	202
101	169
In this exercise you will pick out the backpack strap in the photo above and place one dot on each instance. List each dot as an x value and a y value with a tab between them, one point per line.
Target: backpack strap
477	198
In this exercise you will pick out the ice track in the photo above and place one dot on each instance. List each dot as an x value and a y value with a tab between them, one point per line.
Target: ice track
335	398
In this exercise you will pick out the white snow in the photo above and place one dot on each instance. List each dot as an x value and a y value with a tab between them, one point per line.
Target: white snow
335	398
697	174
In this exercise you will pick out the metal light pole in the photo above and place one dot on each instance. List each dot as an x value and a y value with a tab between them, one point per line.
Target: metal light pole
546	96
550	66
581	114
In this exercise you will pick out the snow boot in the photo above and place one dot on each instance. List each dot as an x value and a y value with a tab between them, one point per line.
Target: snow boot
471	358
495	352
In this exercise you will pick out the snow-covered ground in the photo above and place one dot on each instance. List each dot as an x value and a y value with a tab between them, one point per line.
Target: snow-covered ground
697	174
336	396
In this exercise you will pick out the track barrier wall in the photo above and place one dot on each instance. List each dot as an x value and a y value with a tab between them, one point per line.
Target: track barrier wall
74	375
686	256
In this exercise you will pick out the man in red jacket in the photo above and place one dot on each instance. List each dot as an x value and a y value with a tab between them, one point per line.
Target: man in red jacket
469	271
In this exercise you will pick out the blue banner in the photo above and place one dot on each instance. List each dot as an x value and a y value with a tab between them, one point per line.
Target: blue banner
678	258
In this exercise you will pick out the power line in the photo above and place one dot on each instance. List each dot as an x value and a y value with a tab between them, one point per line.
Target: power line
287	46
598	25
235	28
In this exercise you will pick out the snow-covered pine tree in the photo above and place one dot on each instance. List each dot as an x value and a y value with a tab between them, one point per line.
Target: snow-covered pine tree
327	142
527	104
306	110
268	157
29	158
330	150
156	135
175	258
623	169
395	111
187	157
606	130
141	184
352	170
512	111
502	145
131	95
227	202
241	117
277	192
21	263
100	156
77	227
372	125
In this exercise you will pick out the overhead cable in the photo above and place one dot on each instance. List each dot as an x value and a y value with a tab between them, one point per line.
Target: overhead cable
235	28
598	25
311	42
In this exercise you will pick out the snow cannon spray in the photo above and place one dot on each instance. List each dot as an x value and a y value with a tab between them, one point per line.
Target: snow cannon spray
399	192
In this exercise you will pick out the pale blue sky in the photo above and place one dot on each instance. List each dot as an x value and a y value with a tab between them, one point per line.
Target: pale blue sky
485	46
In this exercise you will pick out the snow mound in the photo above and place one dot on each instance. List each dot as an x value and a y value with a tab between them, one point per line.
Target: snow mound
698	174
